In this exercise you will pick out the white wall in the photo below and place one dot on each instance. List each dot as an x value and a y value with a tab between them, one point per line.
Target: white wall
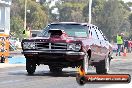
2	19
5	16
7	20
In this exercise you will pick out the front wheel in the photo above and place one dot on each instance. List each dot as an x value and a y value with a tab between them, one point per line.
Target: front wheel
30	66
103	67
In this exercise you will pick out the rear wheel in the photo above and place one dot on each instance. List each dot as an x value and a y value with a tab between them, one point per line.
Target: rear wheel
103	67
30	66
55	69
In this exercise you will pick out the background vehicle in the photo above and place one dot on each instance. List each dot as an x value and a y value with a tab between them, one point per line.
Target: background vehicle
68	44
35	32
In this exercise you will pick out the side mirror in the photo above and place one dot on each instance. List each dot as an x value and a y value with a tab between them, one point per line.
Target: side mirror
34	35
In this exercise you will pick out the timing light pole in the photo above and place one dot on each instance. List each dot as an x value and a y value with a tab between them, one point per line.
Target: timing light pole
25	15
90	15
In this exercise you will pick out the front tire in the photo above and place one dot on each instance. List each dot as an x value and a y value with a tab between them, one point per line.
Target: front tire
103	67
30	66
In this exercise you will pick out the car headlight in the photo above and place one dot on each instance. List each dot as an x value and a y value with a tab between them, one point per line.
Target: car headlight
71	47
29	45
32	46
75	47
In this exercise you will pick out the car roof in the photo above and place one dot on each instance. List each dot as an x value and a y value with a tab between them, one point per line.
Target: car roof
66	23
76	23
90	25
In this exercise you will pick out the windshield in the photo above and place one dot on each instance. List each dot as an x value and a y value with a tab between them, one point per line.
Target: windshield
72	30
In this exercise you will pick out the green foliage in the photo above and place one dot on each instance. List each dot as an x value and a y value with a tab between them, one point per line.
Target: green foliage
130	19
115	15
129	4
36	15
71	11
111	16
17	27
75	5
65	14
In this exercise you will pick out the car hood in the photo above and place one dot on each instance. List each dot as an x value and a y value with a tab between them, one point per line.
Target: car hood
48	39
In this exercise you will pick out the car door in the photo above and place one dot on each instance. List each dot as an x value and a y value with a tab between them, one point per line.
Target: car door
103	44
95	46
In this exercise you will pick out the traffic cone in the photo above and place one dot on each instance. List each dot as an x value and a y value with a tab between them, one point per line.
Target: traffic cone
125	53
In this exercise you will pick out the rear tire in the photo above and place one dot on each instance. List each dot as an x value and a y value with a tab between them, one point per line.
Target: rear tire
55	69
103	67
30	66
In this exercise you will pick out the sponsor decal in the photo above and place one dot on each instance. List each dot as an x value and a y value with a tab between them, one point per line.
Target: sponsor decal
83	78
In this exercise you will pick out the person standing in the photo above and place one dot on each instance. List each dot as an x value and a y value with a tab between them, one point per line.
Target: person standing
27	33
119	39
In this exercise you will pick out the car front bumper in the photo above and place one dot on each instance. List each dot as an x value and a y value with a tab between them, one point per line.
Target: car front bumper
53	52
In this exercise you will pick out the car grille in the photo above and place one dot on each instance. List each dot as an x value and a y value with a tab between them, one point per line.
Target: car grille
51	46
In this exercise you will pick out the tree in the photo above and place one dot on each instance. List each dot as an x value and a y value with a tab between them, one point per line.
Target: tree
17	27
115	15
110	16
36	16
71	11
129	4
65	14
130	19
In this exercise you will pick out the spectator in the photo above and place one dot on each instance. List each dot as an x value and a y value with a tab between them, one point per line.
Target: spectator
119	39
126	44
27	33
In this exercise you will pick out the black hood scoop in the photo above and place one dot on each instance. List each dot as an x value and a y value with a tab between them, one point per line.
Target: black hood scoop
56	33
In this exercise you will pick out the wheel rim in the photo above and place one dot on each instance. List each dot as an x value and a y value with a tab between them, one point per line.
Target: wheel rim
31	66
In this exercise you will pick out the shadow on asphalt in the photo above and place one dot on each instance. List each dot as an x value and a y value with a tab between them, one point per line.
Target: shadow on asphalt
59	74
47	73
63	74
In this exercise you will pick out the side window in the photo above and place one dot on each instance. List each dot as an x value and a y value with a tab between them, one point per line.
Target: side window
103	35
93	33
100	36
